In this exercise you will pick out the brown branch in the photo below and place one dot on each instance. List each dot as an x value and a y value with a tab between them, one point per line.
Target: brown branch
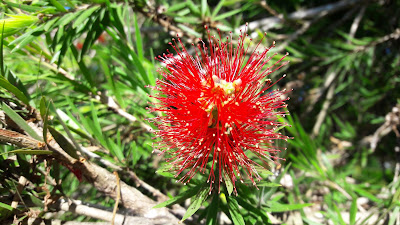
165	21
100	178
20	140
92	211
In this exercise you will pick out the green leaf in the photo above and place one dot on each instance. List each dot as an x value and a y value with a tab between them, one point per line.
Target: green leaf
165	173
24	7
189	30
227	14
20	122
212	211
234	211
58	6
339	215
203	7
353	211
228	183
138	37
179	198
44	112
82	66
49	24
16	23
27	38
365	193
85	14
5	206
29	152
278	207
14	90
267	184
196	202
251	208
1	50
217	8
63	142
176	7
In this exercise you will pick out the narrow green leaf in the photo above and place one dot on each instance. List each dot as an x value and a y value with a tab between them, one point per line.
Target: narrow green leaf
58	6
138	37
365	193
1	51
339	215
278	207
5	206
176	7
193	8
227	14
29	152
49	24
24	7
82	66
20	122
268	184
189	30
63	142
353	211
11	88
228	183
234	211
212	211
196	202
26	38
217	8
179	198
251	208
85	14
44	112
203	7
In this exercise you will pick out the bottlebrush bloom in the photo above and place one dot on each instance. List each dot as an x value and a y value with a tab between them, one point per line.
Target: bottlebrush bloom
216	108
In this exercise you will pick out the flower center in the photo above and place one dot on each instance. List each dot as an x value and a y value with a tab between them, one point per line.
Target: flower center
223	91
229	88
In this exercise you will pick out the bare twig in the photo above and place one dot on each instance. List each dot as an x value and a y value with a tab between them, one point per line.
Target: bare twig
392	120
156	14
17	197
324	110
20	140
79	208
271	22
104	181
118	198
394	35
356	22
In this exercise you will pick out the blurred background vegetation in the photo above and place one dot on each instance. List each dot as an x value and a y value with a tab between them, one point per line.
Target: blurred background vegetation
74	137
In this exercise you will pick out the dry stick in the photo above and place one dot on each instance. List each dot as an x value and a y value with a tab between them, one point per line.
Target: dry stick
395	35
118	197
105	182
167	22
356	23
268	23
17	197
35	221
92	211
20	140
322	114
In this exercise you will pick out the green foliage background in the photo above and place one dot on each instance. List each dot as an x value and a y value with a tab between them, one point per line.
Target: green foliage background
82	67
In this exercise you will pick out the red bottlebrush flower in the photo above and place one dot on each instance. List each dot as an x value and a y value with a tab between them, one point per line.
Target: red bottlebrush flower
217	107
